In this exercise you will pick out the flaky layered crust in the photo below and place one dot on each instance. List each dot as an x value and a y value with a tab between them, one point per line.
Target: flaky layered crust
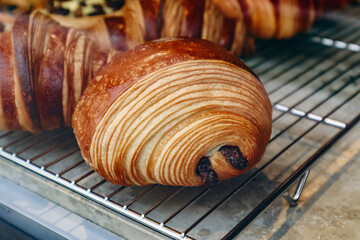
154	112
231	23
44	68
277	18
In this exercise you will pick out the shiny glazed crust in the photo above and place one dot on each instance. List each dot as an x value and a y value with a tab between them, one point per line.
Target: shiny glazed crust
231	23
152	113
277	18
44	68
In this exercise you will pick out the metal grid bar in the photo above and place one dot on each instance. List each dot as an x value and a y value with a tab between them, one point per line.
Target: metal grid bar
160	202
310	116
71	167
337	44
60	158
57	146
42	141
201	194
139	196
324	43
113	193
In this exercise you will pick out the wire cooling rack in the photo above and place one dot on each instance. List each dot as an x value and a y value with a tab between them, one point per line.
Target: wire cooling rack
314	85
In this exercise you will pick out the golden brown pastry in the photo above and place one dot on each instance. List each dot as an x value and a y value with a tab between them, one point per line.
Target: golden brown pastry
145	20
44	68
277	18
121	30
230	23
177	111
138	21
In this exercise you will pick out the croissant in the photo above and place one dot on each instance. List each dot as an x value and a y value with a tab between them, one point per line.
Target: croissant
277	18
230	23
143	20
176	111
39	87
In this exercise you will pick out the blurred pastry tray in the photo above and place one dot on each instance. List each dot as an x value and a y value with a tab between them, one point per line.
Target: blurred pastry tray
314	85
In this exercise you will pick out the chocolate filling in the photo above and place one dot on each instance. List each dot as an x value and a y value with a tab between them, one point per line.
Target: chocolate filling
206	172
61	11
98	10
115	4
2	27
234	156
55	6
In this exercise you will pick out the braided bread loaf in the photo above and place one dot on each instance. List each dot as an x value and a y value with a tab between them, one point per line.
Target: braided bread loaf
39	87
176	112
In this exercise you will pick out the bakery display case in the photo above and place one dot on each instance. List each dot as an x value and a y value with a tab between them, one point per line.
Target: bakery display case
313	83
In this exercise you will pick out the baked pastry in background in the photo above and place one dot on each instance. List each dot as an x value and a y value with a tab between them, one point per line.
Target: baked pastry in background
280	18
44	69
231	23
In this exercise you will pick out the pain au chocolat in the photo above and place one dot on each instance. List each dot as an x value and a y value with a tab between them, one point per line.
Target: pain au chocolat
176	111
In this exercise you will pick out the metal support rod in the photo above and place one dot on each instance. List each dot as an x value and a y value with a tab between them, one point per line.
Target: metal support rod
292	200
